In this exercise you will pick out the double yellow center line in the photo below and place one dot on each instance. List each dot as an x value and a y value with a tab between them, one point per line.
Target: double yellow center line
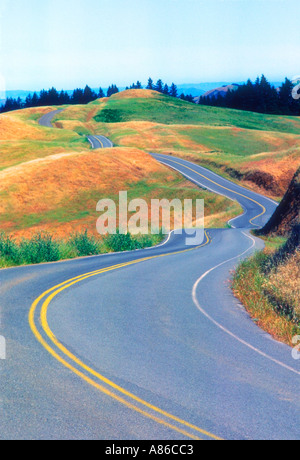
225	188
69	360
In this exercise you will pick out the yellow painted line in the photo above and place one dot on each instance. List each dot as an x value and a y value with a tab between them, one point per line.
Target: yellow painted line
100	142
225	188
44	323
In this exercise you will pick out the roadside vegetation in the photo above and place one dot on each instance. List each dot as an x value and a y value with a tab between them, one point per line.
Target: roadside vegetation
268	285
43	247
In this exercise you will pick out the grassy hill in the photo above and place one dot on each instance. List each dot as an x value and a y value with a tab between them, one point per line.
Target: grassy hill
261	150
143	105
50	180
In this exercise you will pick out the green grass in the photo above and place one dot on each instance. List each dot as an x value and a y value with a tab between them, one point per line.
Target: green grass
242	143
166	110
13	153
42	247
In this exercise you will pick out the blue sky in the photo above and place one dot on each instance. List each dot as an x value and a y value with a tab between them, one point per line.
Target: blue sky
70	43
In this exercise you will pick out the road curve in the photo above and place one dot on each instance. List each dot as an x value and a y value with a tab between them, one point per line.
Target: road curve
100	142
96	141
46	120
147	344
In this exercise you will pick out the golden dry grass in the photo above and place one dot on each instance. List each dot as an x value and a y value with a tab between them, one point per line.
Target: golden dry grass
275	157
22	139
49	180
135	93
79	179
283	284
280	164
59	193
13	128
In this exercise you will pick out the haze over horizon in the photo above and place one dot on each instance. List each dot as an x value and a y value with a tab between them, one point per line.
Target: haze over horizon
69	44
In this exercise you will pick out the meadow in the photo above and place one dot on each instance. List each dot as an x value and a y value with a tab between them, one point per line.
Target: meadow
261	150
51	180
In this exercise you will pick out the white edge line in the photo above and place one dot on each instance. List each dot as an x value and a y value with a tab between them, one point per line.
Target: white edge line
219	177
204	187
91	142
196	302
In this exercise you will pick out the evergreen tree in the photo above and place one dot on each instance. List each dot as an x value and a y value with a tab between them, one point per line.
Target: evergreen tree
88	95
63	98
187	98
166	89
43	98
287	104
150	84
77	96
35	100
101	93
173	90
159	86
53	97
28	101
113	89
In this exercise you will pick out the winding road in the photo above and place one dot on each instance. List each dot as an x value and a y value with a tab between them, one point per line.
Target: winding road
149	344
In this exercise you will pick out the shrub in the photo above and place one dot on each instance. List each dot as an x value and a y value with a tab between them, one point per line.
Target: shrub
9	249
40	248
120	242
84	244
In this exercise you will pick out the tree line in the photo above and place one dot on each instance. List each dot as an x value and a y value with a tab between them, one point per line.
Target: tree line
260	96
54	97
83	96
172	90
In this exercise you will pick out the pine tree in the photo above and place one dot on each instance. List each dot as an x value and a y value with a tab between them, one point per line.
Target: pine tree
173	90
150	84
88	95
287	104
101	93
113	89
159	86
28	101
77	96
64	98
53	97
166	89
35	100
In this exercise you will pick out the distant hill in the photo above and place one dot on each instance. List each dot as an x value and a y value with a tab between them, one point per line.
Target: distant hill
221	91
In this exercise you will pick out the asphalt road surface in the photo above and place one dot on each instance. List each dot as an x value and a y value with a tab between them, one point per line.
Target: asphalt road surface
149	344
46	120
99	142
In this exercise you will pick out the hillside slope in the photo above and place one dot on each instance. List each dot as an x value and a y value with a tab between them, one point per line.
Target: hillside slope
50	180
287	215
261	150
